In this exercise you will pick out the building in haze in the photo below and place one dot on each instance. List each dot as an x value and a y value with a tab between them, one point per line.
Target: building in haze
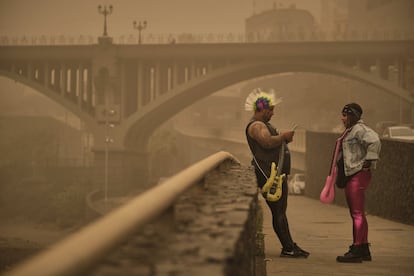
280	24
334	17
384	19
367	19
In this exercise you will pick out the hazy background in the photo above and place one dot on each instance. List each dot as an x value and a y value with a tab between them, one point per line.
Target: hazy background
80	17
30	136
73	18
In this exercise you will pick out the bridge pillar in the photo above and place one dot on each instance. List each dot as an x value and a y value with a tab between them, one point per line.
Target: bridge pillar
119	172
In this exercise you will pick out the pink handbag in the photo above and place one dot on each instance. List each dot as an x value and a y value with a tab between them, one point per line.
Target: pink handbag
328	192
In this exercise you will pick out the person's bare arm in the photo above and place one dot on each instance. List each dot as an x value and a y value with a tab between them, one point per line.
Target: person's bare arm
259	132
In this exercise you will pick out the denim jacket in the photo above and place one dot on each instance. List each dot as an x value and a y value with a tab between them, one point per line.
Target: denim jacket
360	144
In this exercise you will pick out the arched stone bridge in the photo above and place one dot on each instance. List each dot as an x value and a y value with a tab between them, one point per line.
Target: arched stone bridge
138	87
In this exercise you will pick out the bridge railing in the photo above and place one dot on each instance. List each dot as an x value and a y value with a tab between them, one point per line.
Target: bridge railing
82	250
251	37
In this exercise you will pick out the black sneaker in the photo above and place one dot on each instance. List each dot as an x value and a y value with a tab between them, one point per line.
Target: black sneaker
294	253
303	252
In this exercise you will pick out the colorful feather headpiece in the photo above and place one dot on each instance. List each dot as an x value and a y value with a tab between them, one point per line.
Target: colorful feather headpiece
258	100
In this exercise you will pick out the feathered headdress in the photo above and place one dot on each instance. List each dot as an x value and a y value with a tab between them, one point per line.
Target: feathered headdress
258	100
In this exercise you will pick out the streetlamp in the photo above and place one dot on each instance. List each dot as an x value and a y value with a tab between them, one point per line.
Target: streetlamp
140	26
108	139
105	12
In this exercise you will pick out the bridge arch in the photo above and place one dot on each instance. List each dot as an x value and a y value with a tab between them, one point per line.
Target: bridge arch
89	121
140	125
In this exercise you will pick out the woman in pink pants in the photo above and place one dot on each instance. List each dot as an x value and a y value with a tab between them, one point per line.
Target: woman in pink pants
358	155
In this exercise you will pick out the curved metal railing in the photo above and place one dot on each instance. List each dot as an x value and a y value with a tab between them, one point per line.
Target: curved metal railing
80	251
190	38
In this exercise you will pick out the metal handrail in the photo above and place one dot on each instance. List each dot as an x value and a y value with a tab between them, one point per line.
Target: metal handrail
80	251
196	38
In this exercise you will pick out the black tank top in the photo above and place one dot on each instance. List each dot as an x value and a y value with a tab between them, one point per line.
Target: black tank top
264	156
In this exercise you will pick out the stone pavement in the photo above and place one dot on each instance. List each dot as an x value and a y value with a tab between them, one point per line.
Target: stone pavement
326	232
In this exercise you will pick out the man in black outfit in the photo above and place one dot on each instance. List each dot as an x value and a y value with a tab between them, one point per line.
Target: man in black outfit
265	143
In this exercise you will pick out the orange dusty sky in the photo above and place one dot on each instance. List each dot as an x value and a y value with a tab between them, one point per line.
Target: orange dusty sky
81	17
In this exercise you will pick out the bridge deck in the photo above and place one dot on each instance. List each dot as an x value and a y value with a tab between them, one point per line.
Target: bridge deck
326	231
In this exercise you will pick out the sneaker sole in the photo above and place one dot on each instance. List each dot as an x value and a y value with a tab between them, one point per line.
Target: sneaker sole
294	256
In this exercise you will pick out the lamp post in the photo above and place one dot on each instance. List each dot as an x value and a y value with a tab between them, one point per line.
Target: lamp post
108	139
105	11
140	26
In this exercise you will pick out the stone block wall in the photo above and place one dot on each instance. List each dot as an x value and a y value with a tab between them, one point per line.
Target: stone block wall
391	193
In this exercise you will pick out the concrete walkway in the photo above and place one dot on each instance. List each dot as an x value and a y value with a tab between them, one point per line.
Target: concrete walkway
326	232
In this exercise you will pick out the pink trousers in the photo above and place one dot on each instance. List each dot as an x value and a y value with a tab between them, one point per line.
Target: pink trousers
355	197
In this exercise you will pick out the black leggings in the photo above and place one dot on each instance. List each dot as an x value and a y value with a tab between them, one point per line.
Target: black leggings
278	209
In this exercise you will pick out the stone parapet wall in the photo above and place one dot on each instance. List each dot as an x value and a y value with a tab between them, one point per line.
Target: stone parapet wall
391	191
391	194
211	230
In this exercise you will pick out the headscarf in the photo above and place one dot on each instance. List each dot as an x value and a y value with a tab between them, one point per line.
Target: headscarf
352	109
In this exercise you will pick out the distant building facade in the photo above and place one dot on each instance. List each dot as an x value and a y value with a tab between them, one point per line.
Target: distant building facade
367	19
280	24
334	17
385	19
